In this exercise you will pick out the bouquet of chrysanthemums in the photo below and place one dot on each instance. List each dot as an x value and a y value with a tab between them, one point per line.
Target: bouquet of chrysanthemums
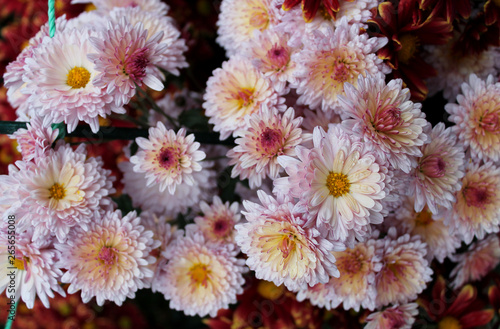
340	167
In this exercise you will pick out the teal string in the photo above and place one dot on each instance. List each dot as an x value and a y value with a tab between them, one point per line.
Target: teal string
8	325
52	18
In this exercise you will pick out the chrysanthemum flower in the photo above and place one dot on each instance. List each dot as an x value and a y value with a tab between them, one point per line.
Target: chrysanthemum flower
235	91
200	277
62	189
59	81
331	58
268	136
383	115
109	260
477	209
167	159
429	227
439	171
280	248
477	117
34	266
35	140
238	19
405	271
394	317
125	58
105	6
218	220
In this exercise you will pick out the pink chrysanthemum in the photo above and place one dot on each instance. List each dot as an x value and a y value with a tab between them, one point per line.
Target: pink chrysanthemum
171	58
167	159
200	277
394	317
59	79
36	140
477	116
268	136
280	248
234	91
330	59
340	181
383	115
63	189
429	227
481	258
405	271
126	58
109	260
439	171
477	209
239	19
218	220
34	265
157	7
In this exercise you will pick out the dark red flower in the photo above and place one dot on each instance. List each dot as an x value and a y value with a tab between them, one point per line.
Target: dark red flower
450	9
492	12
310	7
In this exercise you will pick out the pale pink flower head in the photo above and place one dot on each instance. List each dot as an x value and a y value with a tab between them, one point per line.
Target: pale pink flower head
331	58
383	115
157	7
126	58
280	248
481	258
477	209
239	19
268	136
110	260
313	119
405	271
394	317
234	91
167	159
200	277
218	220
33	263
439	171
59	81
477	117
36	140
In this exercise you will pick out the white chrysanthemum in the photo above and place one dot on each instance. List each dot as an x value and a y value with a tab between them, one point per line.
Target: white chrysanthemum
330	59
313	119
268	136
439	171
167	159
32	269
383	115
125	58
359	11
59	81
238	19
481	258
36	140
234	91
477	116
394	317
405	271
449	79
156	7
477	209
200	278
429	227
63	189
218	220
280	248
150	198
109	260
171	58
343	183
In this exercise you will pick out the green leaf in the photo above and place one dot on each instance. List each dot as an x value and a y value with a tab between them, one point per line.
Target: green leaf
194	119
61	126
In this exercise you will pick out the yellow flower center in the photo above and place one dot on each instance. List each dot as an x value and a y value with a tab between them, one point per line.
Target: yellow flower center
19	264
337	184
287	244
199	274
259	18
423	218
244	97
78	77
269	290
57	192
449	322
409	44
